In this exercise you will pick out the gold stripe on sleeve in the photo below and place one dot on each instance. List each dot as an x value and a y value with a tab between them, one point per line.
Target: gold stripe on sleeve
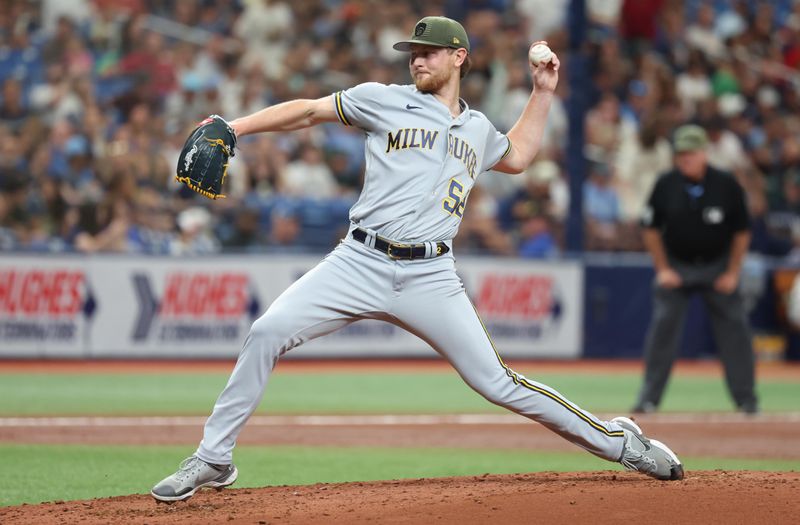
340	109
508	149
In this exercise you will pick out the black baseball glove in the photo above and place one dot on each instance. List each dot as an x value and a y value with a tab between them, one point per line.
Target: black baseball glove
203	162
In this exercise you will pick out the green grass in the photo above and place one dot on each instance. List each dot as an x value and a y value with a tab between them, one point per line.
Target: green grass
59	472
330	393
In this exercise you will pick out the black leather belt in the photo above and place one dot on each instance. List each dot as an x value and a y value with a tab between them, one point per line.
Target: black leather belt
400	251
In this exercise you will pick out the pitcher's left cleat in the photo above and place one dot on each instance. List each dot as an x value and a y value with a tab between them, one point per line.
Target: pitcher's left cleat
647	456
192	475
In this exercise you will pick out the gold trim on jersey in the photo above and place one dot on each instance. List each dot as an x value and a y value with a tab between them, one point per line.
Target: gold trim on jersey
520	380
508	149
340	109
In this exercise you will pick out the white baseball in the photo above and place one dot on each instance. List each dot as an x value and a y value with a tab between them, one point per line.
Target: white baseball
540	53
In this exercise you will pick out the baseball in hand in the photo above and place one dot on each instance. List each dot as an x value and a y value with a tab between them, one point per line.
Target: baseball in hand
540	53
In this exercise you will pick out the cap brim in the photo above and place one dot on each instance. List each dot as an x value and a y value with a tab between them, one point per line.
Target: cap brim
405	45
686	148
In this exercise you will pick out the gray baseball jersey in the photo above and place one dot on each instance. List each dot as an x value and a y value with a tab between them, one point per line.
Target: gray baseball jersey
421	162
421	165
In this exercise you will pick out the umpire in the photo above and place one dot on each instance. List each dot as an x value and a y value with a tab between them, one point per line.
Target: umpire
696	228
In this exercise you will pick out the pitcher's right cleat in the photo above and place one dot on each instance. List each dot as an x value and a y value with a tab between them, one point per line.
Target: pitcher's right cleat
192	475
647	456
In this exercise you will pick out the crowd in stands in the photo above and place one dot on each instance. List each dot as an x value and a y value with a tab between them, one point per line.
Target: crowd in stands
98	97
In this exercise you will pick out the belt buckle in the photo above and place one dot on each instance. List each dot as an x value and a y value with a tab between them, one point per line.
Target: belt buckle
389	250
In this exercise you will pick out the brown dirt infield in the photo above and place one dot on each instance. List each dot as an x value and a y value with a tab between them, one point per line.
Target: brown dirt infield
600	497
732	437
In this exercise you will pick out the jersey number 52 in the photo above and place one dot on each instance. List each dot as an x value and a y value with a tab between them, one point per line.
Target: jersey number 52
456	200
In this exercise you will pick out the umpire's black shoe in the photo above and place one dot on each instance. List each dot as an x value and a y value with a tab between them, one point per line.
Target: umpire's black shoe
644	407
748	407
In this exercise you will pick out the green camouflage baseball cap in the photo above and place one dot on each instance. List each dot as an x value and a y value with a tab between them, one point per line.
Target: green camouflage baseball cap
690	138
436	31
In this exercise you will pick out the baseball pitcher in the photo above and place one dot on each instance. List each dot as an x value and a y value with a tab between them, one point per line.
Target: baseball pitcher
424	150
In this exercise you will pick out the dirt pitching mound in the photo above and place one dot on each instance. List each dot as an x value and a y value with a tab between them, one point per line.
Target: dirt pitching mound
596	497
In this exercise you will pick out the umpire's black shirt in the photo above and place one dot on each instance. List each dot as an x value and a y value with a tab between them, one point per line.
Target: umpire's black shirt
697	220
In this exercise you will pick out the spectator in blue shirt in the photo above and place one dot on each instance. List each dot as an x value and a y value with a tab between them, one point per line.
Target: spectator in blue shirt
601	209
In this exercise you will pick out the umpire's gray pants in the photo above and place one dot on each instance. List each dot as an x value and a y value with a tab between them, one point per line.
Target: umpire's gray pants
729	324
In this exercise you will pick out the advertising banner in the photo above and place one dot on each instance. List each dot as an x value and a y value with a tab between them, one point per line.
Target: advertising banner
155	307
530	309
46	307
122	306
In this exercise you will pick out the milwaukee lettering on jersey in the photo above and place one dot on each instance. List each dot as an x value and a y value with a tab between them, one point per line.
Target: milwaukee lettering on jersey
462	151
411	138
207	295
529	297
41	292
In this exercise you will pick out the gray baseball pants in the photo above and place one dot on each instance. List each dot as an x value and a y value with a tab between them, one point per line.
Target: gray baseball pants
425	297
